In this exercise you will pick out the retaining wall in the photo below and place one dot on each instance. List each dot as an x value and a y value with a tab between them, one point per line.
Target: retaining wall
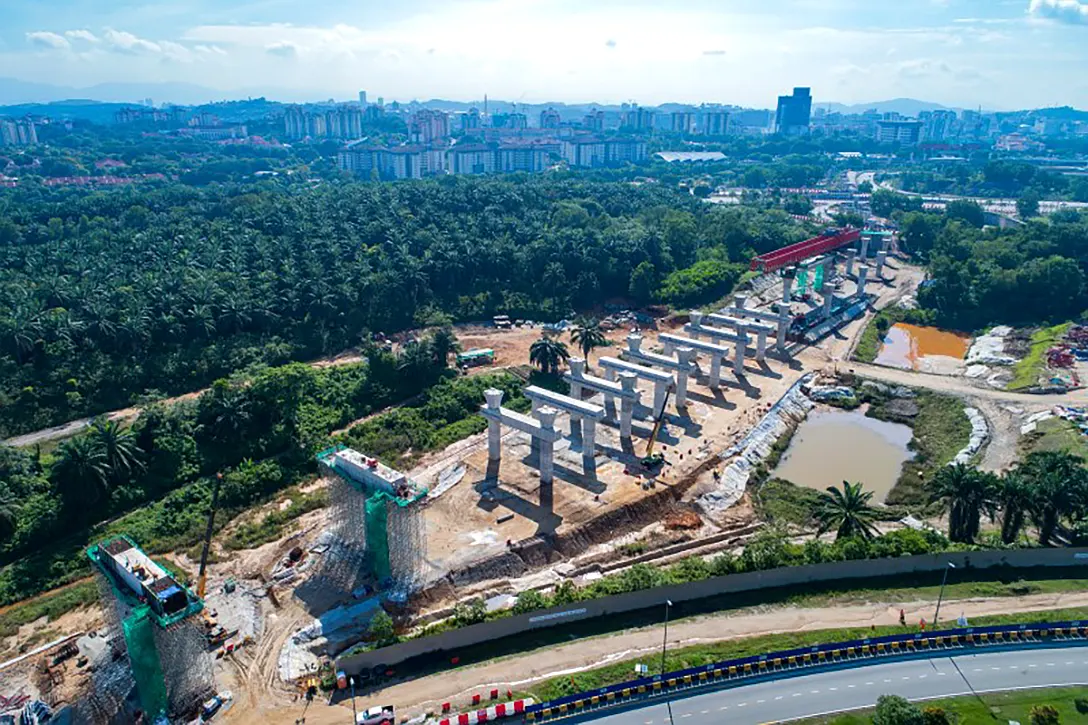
733	583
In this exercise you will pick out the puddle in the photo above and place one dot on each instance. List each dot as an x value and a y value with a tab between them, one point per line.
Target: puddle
835	446
927	349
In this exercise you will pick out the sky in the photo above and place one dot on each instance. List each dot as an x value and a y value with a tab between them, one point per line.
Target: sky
998	54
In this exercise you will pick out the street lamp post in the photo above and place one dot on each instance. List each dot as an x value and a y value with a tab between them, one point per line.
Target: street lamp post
944	580
354	715
665	638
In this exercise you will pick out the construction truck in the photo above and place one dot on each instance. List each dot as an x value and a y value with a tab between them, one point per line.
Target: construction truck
377	715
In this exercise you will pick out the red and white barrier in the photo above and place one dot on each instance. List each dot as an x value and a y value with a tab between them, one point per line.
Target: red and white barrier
489	714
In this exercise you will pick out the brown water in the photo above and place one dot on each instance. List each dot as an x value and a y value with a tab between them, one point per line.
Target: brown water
835	446
914	347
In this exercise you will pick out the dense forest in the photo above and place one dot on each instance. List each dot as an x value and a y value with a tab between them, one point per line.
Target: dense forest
144	291
992	178
980	276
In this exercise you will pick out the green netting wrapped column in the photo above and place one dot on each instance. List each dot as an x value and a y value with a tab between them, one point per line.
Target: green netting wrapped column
144	658
377	536
818	280
802	281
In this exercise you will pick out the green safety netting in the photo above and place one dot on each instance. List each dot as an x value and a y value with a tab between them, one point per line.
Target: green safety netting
818	281
802	281
144	658
377	536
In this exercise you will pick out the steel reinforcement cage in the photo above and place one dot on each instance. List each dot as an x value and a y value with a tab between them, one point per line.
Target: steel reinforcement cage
838	654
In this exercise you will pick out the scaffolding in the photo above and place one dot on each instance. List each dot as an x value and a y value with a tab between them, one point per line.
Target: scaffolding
377	534
153	625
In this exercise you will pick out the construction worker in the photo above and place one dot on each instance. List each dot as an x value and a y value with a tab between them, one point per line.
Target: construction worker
902	618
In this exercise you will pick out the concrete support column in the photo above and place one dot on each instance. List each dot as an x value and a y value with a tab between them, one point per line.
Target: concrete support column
685	356
863	275
627	405
783	328
494	427
829	269
715	372
659	397
881	257
577	372
534	442
761	345
669	347
610	406
787	283
546	415
575	425
829	300
741	352
634	342
589	442
850	254
864	249
739	301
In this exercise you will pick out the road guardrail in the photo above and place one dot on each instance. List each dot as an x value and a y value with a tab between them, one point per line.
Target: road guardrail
777	664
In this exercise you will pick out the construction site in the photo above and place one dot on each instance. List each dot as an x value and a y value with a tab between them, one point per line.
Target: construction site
651	443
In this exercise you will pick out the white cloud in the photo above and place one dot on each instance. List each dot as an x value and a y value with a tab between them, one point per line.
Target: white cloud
45	39
1062	11
282	49
125	42
82	35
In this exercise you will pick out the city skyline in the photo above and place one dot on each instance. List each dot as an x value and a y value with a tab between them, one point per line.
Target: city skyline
963	53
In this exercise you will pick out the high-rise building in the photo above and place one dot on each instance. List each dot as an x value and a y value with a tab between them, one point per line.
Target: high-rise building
594	120
294	123
549	118
428	125
794	113
343	122
471	158
937	125
636	118
517	121
470	120
18	133
715	123
906	132
682	122
362	98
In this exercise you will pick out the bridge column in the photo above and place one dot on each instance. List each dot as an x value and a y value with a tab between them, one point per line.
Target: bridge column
659	396
627	405
863	274
577	372
589	444
494	427
546	416
850	254
829	300
669	347
864	248
684	355
740	351
634	342
787	283
783	328
739	301
881	257
715	372
761	345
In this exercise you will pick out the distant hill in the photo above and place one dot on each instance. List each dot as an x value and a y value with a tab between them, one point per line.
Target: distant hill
903	106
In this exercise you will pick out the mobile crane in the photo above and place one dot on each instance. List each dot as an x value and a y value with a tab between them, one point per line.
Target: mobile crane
652	462
202	578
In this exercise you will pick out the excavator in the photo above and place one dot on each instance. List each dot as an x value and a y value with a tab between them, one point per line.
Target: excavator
652	462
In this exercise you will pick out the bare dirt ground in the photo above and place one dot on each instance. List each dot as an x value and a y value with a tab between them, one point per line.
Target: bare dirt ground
522	671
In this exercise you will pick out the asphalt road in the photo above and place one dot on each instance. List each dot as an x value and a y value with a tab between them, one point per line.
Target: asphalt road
852	689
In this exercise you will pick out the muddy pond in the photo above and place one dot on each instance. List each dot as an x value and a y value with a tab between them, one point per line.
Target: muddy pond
928	349
832	446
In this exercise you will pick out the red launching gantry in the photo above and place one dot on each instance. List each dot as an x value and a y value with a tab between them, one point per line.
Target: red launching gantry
794	253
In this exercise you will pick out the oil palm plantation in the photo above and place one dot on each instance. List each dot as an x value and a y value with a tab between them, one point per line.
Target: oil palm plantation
121	455
967	493
1059	482
9	510
587	334
847	511
547	353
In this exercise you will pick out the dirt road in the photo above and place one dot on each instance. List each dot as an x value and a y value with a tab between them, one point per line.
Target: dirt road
522	671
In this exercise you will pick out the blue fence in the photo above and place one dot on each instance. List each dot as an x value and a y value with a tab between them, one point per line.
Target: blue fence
807	658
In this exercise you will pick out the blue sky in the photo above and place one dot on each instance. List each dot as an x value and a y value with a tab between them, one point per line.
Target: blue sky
1000	54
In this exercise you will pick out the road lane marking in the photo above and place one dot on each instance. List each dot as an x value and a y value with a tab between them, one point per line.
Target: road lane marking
686	714
922	677
833	688
906	678
1033	665
851	686
704	712
868	683
796	694
778	697
1049	664
741	704
724	707
814	692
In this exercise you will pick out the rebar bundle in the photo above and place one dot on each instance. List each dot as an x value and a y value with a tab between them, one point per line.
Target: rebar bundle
186	666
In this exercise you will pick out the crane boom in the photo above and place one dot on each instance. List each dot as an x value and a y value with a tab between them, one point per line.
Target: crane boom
202	578
657	428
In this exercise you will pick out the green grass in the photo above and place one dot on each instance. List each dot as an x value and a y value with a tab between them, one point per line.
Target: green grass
1025	373
1056	434
48	605
781	502
272	525
941	430
995	707
705	654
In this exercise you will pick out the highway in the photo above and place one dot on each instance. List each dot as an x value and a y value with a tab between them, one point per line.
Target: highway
852	689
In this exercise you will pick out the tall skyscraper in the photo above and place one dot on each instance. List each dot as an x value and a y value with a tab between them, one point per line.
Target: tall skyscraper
428	125
549	118
636	118
470	120
683	122
362	98
594	120
794	113
715	122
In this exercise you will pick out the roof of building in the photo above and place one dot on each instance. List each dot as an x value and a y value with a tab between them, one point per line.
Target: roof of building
671	156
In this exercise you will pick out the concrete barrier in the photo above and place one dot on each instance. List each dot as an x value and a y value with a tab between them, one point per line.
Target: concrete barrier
733	583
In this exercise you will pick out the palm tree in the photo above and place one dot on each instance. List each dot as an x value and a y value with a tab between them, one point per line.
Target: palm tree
443	343
119	449
587	334
80	471
846	510
416	357
1058	480
1015	496
966	493
547	353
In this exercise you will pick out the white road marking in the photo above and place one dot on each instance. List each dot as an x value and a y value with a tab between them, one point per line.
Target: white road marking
1033	665
1049	664
814	692
796	694
686	714
851	686
760	702
995	669
742	704
922	677
832	688
868	683
905	678
778	697
704	712
724	707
